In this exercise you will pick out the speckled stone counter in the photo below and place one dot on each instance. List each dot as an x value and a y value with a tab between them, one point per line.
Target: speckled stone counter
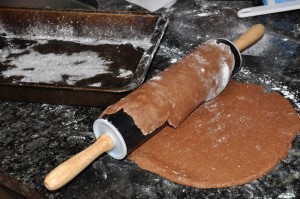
35	137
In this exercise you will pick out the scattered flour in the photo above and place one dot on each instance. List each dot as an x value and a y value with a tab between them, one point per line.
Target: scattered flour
123	73
30	66
269	84
171	52
156	78
67	33
222	78
96	84
51	68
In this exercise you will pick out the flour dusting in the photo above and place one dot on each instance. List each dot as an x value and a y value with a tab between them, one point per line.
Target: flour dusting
222	77
270	84
62	54
57	58
123	73
50	68
42	32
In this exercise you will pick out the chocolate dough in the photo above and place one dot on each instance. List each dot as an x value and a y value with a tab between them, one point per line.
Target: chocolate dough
172	96
230	140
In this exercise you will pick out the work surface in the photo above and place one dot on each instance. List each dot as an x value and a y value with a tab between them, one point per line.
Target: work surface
34	137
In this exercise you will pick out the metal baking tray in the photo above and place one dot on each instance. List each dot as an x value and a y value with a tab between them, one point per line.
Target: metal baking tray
75	57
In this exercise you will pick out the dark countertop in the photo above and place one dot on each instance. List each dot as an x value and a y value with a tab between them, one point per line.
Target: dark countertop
34	137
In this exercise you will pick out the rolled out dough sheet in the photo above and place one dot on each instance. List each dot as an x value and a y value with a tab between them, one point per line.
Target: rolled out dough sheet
230	140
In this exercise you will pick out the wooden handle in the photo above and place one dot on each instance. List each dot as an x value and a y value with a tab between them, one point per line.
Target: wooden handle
65	172
251	36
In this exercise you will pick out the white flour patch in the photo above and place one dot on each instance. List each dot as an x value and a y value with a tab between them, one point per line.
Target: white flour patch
25	64
67	33
204	14
39	68
99	84
156	78
222	78
123	73
171	52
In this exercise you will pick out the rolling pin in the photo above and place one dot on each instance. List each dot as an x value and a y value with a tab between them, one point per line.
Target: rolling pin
166	99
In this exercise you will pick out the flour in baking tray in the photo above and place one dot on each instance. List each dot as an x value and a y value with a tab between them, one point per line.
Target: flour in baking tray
49	68
39	58
124	73
67	33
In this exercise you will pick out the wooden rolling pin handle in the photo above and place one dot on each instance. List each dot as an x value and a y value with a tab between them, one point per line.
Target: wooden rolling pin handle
250	37
65	172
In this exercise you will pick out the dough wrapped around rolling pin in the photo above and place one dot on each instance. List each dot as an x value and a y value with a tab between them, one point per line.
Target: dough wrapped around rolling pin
173	95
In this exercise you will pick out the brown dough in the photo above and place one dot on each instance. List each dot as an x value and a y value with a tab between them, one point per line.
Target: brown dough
230	140
172	96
